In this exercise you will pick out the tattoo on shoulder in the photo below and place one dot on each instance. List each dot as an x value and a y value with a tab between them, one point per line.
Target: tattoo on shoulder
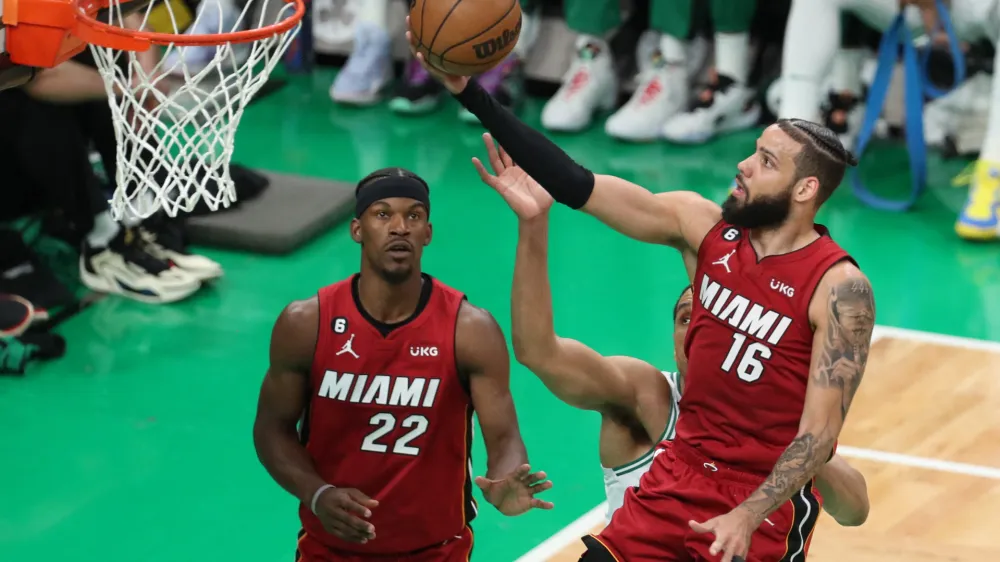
851	319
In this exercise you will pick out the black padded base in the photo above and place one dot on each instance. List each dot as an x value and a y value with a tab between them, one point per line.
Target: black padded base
290	212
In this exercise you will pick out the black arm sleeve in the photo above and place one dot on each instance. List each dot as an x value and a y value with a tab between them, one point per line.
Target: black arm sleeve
569	183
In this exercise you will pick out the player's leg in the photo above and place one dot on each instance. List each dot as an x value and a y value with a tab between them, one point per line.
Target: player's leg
663	83
369	67
809	49
590	84
844	109
727	103
652	523
980	218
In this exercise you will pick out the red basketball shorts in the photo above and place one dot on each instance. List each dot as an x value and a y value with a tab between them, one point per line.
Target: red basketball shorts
458	549
682	485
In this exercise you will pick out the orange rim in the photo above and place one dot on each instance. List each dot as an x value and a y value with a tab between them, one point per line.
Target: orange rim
99	33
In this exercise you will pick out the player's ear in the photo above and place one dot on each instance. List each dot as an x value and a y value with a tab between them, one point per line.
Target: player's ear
430	234
806	189
356	230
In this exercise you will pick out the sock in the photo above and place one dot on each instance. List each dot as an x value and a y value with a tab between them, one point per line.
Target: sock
105	229
991	144
674	50
731	56
530	24
846	72
808	53
374	12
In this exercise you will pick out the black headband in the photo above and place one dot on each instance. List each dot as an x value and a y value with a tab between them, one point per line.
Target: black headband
390	186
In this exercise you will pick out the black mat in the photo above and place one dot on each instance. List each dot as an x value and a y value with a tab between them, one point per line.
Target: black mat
290	212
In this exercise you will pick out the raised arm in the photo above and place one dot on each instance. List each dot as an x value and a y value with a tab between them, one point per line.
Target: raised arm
843	311
679	219
481	351
576	374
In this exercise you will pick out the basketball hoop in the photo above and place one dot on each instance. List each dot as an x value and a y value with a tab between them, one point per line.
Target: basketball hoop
175	120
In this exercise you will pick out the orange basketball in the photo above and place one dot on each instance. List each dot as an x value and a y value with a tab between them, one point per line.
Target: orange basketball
465	37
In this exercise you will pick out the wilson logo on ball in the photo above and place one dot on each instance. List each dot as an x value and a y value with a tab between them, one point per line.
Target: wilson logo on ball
489	47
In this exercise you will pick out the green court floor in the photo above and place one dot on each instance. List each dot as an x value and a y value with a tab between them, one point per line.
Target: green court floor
137	447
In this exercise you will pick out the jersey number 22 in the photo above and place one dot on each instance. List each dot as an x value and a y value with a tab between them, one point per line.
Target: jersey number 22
749	368
386	422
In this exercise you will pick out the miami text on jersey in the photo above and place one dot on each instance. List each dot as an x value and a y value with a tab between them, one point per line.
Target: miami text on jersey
742	314
384	390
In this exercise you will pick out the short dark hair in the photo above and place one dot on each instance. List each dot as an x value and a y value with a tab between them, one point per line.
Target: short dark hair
677	305
823	155
388	173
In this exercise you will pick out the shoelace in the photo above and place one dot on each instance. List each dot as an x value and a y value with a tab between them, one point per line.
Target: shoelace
136	251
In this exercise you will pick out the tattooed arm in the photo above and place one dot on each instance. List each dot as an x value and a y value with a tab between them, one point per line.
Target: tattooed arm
843	312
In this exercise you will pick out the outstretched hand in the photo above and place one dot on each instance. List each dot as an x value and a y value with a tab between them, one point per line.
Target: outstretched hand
452	83
515	494
521	192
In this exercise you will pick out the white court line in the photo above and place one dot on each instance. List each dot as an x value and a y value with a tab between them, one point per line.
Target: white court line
933	338
572	532
566	536
921	462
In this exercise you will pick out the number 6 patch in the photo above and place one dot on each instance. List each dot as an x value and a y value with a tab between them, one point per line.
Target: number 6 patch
339	325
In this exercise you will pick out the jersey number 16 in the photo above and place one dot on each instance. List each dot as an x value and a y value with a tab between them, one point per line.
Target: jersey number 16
749	368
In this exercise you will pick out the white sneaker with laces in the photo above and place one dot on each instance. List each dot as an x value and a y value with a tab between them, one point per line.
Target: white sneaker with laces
589	84
124	267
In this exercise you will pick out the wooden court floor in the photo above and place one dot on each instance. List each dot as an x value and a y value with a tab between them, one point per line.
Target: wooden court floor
925	432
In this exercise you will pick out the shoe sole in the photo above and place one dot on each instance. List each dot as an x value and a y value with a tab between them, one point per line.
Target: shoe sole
102	284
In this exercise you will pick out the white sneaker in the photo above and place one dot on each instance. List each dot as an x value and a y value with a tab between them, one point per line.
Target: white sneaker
171	250
368	70
730	108
126	268
662	93
589	85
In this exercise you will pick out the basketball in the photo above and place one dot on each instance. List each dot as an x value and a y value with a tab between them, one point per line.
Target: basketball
465	37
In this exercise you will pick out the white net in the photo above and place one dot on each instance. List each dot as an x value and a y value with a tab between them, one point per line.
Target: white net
176	108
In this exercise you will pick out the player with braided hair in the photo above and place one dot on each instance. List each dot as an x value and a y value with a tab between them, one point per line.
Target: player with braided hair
777	347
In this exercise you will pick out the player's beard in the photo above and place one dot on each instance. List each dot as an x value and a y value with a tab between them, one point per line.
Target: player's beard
765	211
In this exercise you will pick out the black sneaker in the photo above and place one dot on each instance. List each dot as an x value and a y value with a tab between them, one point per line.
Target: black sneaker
127	267
165	240
418	92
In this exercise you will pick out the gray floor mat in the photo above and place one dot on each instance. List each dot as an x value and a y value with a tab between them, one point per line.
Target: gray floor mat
290	212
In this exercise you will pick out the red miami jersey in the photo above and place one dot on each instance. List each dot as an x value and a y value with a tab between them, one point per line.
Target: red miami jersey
749	347
389	415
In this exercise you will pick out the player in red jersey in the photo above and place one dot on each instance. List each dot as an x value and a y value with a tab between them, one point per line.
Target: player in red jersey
383	371
638	403
776	349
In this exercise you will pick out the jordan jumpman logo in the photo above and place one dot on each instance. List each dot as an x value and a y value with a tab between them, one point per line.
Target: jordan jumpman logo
348	349
724	261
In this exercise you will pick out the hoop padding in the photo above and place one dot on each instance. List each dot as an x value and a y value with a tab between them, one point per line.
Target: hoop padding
176	118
